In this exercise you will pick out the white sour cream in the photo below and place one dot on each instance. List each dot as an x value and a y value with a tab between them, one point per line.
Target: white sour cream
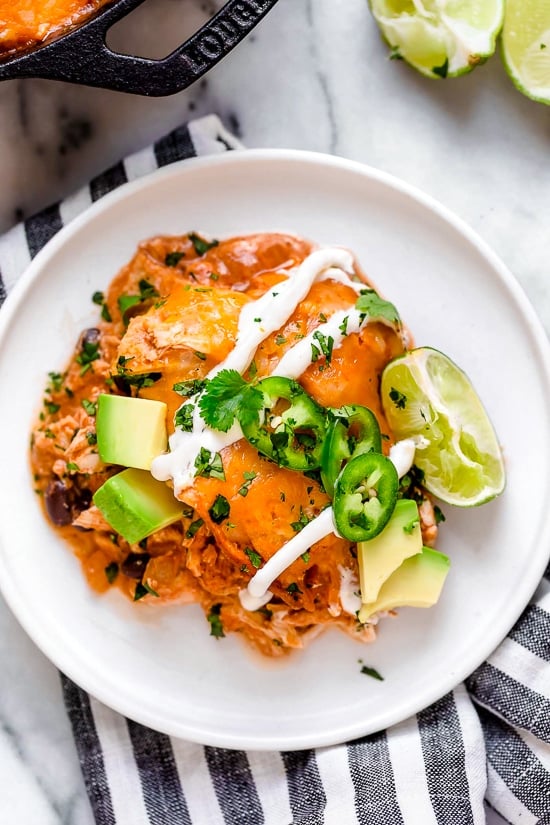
297	359
258	586
257	320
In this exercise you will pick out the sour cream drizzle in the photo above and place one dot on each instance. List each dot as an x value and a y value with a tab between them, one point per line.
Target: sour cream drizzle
257	320
297	359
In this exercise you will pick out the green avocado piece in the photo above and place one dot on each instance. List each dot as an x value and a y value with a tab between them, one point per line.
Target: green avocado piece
130	431
380	556
417	583
135	504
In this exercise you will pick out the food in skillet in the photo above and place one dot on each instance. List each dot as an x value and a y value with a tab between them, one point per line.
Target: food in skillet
26	23
304	435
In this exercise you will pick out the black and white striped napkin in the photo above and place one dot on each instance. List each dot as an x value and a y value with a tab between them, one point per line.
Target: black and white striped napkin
433	769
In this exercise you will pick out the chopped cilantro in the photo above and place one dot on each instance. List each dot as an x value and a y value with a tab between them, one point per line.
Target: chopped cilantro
439	515
305	557
214	617
322	317
56	380
219	510
208	465
343	327
194	528
188	388
228	396
111	571
214	276
280	339
142	589
184	417
99	298
173	258
255	558
201	355
304	519
91	438
249	478
293	589
326	343
89	406
89	352
369	303
72	467
441	71
126	302
200	245
51	407
253	370
370	671
398	398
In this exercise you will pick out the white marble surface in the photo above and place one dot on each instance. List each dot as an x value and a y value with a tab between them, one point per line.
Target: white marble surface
313	75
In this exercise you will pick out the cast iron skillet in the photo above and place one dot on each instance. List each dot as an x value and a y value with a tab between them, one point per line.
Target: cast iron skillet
82	56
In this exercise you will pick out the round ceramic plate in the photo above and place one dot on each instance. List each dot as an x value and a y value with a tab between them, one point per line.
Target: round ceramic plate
159	666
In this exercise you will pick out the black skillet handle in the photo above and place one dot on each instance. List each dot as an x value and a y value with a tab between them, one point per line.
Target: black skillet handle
82	56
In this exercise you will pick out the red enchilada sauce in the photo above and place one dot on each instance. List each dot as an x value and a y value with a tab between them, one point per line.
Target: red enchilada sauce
26	23
171	315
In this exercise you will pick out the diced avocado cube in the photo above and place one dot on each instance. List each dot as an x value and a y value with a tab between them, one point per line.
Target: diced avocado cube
400	539
417	583
135	504
130	431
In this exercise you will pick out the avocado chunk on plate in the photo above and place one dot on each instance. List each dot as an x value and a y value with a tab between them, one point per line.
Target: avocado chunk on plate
380	556
136	505
130	431
418	582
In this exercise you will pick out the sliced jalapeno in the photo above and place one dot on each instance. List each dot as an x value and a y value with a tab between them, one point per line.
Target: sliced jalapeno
290	428
354	431
364	496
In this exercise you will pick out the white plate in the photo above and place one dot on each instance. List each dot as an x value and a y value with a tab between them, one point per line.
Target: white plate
160	666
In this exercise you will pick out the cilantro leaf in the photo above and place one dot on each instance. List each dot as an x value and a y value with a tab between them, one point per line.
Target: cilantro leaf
184	418
228	396
370	303
220	509
216	626
173	258
209	465
188	388
111	572
126	302
370	671
398	398
255	558
200	244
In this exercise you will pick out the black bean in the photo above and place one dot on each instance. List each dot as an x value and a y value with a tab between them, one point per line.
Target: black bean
90	337
134	565
82	499
58	503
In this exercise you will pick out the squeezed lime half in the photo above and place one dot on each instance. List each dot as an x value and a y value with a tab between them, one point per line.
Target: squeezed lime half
440	38
426	396
526	46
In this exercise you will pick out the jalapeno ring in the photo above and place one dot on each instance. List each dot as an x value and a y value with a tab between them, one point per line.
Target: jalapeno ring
365	494
354	431
291	427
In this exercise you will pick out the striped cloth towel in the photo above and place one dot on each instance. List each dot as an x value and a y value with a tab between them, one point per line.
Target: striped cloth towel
433	769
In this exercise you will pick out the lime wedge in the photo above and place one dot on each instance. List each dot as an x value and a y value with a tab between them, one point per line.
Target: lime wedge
440	38
428	398
526	46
